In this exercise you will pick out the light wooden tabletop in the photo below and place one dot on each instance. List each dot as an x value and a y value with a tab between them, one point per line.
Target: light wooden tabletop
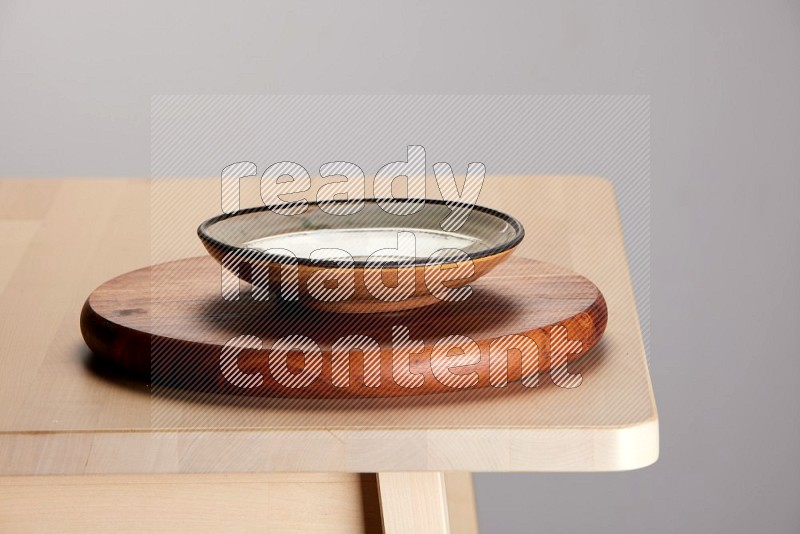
63	412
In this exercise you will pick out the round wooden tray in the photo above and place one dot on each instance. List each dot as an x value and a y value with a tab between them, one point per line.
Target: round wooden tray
168	323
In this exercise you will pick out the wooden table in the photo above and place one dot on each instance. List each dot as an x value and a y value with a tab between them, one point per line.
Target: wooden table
83	448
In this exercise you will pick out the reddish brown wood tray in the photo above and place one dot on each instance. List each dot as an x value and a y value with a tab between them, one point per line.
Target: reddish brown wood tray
169	323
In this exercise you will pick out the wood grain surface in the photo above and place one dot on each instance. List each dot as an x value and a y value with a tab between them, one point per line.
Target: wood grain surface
345	503
64	411
169	323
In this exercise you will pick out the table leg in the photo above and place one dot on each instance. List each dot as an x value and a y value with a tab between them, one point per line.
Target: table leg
418	502
461	502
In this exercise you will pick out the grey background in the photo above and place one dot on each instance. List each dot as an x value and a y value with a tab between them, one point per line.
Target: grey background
75	85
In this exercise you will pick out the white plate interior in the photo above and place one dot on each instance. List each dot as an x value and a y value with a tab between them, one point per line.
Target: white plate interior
377	244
